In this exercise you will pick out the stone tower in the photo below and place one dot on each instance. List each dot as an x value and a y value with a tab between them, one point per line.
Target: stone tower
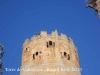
49	54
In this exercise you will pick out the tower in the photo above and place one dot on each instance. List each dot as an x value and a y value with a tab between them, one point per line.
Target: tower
49	54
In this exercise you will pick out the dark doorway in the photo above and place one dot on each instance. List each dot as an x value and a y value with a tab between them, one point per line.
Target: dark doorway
50	42
36	53
65	53
33	56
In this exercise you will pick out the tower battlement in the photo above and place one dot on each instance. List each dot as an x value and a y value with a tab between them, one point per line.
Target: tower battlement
53	35
49	49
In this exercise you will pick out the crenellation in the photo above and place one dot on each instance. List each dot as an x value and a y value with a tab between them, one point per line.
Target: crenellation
54	34
43	34
63	37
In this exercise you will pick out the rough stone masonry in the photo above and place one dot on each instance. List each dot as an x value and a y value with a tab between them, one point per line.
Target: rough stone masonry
49	54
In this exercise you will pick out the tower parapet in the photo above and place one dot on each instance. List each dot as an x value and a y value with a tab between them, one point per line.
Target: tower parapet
45	51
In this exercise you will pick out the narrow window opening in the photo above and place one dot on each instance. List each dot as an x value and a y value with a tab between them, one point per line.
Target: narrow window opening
26	48
33	56
68	57
36	53
47	44
50	42
65	53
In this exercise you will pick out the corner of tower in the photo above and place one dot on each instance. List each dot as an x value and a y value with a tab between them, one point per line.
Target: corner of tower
71	42
26	42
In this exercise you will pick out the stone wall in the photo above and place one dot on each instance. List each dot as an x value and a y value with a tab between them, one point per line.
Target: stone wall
50	51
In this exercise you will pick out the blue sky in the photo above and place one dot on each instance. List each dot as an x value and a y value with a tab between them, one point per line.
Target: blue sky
21	19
